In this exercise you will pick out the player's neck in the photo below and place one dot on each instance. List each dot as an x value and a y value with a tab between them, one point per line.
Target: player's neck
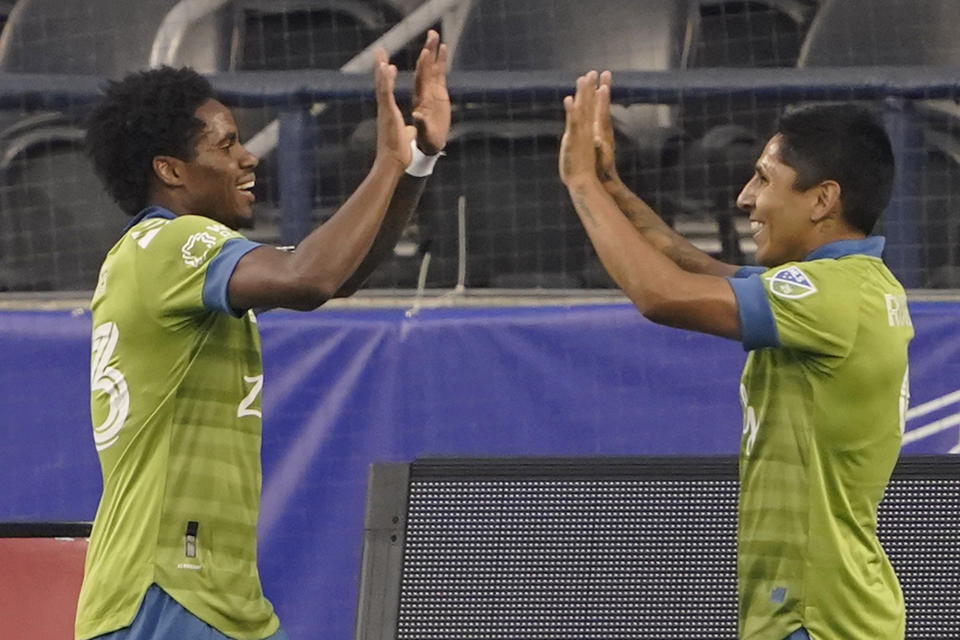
829	233
169	201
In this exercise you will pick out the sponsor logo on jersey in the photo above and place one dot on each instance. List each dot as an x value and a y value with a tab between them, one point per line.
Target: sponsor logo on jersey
791	282
195	250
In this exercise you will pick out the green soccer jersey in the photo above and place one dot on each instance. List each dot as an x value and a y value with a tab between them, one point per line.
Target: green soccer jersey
824	393
175	403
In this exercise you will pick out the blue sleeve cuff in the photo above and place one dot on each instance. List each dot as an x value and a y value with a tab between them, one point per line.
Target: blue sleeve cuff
757	327
219	272
746	272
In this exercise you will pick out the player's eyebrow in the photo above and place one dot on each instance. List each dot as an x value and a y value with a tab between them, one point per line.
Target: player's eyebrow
229	137
763	168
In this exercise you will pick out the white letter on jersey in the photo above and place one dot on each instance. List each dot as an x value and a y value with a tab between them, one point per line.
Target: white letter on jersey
750	423
111	382
244	408
897	313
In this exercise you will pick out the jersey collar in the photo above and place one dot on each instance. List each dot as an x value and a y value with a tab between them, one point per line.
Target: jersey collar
872	246
150	212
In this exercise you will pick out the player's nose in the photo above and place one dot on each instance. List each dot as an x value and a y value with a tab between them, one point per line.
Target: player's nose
247	159
746	200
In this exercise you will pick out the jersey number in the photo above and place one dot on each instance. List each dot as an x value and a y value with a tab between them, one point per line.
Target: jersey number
244	408
904	399
110	381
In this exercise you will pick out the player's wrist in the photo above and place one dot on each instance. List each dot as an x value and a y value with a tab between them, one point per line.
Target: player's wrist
389	162
422	164
582	181
611	181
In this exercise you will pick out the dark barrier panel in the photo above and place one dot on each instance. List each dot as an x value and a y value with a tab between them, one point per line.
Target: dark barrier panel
607	548
41	568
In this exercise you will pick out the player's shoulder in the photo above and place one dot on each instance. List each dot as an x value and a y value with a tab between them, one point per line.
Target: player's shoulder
794	281
187	225
819	278
191	236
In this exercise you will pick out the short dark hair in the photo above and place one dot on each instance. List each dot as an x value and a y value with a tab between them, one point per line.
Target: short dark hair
846	143
146	114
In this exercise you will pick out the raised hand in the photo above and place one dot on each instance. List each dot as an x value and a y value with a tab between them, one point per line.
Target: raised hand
393	137
577	155
603	138
431	103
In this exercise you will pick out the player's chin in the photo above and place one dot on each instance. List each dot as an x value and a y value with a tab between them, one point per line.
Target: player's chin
244	219
762	257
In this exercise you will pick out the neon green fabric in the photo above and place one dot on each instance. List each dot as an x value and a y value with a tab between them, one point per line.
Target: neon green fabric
823	420
175	404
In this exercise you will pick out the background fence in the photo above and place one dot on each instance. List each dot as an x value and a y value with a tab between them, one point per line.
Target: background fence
697	88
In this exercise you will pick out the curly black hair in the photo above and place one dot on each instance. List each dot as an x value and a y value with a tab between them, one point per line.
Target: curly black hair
146	114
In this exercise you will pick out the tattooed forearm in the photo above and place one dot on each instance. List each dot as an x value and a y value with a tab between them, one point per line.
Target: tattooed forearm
580	204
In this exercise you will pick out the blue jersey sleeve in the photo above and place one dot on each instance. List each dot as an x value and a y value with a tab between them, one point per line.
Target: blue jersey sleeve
758	330
218	275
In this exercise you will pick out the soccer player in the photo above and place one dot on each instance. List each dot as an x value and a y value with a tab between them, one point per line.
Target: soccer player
824	388
176	372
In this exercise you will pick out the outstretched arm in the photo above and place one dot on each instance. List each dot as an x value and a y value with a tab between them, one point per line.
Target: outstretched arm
660	289
644	219
431	117
308	277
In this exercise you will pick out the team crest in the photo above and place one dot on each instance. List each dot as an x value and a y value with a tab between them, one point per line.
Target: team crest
791	282
195	251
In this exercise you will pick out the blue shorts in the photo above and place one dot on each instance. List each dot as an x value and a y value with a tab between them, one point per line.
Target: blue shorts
799	634
162	618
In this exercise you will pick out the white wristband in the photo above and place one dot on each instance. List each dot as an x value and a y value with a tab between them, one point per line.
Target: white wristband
422	165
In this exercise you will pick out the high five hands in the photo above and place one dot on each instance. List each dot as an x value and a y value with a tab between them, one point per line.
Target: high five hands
431	104
587	148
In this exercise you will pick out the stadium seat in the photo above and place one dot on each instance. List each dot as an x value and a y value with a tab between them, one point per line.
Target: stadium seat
723	137
897	33
521	230
57	222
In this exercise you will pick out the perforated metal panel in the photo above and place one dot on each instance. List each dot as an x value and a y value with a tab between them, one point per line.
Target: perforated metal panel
919	526
627	548
569	559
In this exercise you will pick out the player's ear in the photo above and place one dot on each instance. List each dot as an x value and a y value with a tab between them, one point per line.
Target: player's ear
827	200
169	170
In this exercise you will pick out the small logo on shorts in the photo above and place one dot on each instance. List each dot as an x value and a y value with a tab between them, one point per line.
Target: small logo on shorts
778	595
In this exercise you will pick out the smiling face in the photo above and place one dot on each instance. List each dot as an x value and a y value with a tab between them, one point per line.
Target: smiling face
781	217
219	179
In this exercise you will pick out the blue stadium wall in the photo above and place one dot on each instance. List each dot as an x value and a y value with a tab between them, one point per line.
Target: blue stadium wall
348	387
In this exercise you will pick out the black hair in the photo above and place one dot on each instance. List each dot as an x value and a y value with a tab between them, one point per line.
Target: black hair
146	114
845	143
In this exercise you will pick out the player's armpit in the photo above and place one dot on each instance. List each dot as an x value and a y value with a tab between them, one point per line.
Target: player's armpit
697	303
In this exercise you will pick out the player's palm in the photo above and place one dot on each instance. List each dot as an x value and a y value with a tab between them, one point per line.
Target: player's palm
431	102
603	133
393	137
577	155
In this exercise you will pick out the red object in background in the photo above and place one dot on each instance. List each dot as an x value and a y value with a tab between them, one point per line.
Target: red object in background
39	584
